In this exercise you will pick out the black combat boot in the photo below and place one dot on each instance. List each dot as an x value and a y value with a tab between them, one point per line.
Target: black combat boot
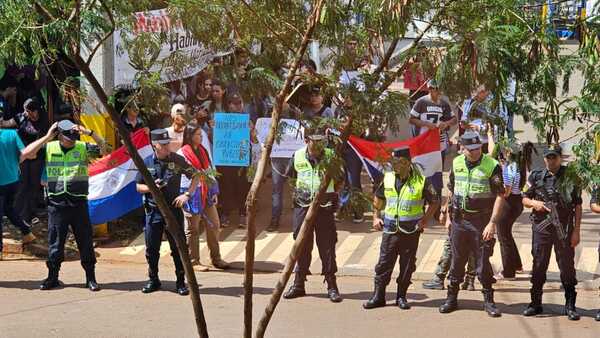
90	279
332	289
468	284
401	298
297	288
52	281
570	298
451	303
378	298
598	316
180	286
153	283
535	307
488	303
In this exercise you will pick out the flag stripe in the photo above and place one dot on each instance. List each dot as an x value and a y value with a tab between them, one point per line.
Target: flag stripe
119	156
106	209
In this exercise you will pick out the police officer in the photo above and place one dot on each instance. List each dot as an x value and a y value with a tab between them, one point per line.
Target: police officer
595	206
166	168
547	186
404	192
476	189
67	170
308	168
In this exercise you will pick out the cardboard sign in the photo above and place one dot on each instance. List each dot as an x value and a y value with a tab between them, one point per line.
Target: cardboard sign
231	140
290	139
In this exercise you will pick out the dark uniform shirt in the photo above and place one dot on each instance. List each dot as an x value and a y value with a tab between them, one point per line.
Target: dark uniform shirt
168	170
535	190
29	130
430	195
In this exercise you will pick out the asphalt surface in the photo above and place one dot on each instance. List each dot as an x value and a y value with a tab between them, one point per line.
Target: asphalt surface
121	310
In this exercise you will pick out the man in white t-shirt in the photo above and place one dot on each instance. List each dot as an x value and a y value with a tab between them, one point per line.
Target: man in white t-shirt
177	127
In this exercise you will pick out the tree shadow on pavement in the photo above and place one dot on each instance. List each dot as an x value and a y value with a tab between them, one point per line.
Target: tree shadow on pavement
365	295
234	291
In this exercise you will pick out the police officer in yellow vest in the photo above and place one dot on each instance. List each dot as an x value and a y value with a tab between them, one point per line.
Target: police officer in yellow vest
476	189
67	170
308	168
404	192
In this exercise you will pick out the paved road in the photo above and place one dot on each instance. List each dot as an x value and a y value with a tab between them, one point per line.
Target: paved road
121	310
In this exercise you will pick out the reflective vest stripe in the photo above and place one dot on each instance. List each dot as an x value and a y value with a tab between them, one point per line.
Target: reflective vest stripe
473	184
308	179
408	203
67	172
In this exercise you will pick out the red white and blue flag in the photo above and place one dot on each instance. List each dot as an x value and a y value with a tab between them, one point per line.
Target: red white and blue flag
112	191
424	150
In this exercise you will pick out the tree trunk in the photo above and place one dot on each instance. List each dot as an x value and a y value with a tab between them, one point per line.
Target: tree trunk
303	235
260	171
172	225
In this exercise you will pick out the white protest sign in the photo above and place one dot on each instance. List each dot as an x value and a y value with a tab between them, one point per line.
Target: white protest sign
290	140
178	40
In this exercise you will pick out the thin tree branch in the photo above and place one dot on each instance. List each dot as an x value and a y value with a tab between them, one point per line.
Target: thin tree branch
268	27
386	58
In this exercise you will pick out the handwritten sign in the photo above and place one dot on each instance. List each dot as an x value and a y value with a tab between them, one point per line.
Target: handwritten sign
231	140
289	140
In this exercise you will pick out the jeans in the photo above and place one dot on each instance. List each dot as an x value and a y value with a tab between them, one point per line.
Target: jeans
278	170
7	197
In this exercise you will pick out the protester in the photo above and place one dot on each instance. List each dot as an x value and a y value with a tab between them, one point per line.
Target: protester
32	125
315	106
177	127
202	92
167	169
13	152
131	118
201	209
67	169
216	103
233	181
474	115
8	95
514	180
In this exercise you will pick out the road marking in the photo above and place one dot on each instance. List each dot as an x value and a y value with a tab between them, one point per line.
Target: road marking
588	260
526	257
347	247
262	239
231	241
164	248
280	254
432	256
371	256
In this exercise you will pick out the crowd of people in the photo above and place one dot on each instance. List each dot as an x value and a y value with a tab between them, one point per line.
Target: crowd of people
487	194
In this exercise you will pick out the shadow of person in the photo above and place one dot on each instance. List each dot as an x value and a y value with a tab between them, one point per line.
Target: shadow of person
234	291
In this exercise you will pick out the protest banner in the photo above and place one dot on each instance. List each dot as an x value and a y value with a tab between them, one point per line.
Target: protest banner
291	136
231	140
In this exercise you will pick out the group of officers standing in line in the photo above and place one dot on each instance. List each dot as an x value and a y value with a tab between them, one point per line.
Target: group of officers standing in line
404	202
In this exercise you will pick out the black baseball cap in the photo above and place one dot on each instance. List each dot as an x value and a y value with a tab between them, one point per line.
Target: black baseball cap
471	140
67	129
553	149
160	136
403	152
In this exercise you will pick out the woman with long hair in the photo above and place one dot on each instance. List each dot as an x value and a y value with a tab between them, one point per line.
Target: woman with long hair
201	208
514	172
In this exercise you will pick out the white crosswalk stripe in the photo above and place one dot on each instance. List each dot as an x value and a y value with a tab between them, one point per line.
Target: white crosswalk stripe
359	252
